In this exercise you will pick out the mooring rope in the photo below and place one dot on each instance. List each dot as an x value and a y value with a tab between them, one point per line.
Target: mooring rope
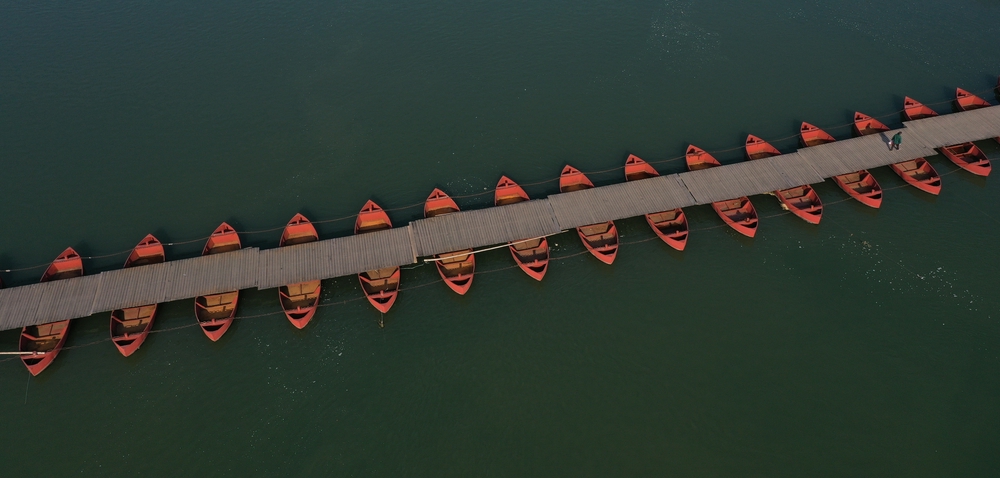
481	193
500	269
500	246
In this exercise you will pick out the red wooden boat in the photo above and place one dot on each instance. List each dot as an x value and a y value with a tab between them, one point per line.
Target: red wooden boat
670	226
802	201
381	286
916	172
131	326
458	267
919	174
299	301
42	343
914	110
532	256
738	213
811	135
215	312
969	157
148	251
600	239
757	148
67	265
860	185
965	101
865	125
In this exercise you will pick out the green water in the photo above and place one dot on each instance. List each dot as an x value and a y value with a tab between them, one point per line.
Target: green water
866	346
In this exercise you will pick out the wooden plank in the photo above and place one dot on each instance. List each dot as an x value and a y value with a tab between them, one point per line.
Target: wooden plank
67	298
483	227
619	201
131	287
19	305
213	274
334	257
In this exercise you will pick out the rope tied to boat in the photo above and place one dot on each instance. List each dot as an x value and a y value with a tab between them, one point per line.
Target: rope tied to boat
985	91
435	281
473	252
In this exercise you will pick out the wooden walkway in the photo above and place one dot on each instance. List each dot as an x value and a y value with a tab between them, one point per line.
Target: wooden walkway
344	256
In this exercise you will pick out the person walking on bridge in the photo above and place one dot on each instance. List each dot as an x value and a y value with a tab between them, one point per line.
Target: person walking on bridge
897	139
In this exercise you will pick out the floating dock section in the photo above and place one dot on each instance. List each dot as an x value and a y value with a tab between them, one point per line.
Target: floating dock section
344	256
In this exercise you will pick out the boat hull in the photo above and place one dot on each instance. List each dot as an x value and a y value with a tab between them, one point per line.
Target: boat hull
381	287
969	157
45	341
865	125
861	186
603	245
738	214
223	239
810	135
572	179
148	251
457	272
67	265
671	227
438	203
124	335
215	313
299	230
914	110
757	148
966	101
299	302
533	261
920	174
803	202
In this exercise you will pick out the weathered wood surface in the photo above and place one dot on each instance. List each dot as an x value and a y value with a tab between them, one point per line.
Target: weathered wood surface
749	177
483	227
618	201
251	267
335	257
132	287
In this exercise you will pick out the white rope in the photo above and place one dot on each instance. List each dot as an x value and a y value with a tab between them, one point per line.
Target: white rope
433	259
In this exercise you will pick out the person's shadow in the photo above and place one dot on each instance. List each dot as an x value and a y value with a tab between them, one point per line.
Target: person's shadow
886	140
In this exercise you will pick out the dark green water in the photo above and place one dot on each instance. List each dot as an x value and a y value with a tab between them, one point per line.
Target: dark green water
866	346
